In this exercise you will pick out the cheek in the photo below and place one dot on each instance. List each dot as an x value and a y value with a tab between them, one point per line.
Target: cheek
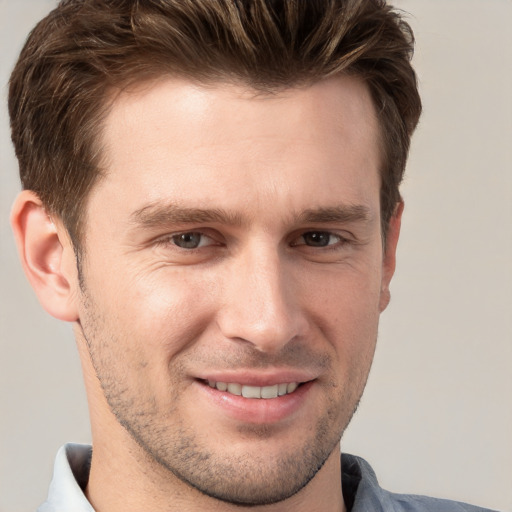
346	310
346	297
162	312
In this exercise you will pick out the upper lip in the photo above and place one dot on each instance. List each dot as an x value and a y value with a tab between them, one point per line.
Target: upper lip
259	377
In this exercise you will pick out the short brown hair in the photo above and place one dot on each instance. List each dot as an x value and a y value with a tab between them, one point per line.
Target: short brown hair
84	49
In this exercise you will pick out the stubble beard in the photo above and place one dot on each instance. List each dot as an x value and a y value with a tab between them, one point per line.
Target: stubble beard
241	479
235	479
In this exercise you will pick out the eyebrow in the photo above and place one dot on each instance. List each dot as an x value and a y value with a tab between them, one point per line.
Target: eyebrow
157	215
339	214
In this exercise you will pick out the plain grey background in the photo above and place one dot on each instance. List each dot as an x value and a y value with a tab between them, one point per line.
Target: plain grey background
437	414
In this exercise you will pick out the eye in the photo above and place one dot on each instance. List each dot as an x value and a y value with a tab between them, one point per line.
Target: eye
191	240
318	239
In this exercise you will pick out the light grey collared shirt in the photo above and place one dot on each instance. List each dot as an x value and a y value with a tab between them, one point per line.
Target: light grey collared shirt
361	490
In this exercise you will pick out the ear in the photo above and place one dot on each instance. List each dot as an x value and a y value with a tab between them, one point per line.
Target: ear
47	256
389	256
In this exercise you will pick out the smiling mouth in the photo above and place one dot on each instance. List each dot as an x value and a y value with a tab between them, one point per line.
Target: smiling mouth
264	392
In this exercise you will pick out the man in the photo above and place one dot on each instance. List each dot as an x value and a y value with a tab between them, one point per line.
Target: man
211	198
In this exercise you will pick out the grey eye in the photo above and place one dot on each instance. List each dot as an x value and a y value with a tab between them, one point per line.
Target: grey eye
188	240
317	238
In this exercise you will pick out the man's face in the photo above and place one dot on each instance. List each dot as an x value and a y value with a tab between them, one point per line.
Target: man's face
234	246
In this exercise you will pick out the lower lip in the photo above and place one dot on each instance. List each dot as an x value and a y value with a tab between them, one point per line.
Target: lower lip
258	410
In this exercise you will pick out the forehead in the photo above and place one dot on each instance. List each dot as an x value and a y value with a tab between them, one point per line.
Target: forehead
333	104
229	144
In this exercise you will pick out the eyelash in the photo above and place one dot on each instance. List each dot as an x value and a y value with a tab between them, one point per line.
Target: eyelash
341	241
170	240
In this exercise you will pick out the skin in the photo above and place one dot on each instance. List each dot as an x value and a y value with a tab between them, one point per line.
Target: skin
261	183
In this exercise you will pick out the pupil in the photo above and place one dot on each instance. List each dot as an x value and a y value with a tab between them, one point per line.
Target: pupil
317	239
187	240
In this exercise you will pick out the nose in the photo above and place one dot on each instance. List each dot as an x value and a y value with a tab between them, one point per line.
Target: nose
261	304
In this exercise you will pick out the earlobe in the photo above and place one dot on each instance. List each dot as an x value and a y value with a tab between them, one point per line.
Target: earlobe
46	255
389	257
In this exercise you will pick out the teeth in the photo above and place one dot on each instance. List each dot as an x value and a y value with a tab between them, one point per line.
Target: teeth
234	389
255	391
291	387
251	392
269	391
221	386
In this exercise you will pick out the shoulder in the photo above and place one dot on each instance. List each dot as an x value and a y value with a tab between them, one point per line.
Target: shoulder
363	493
415	503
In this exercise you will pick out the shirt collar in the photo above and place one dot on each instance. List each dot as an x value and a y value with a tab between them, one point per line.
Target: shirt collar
70	476
361	489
